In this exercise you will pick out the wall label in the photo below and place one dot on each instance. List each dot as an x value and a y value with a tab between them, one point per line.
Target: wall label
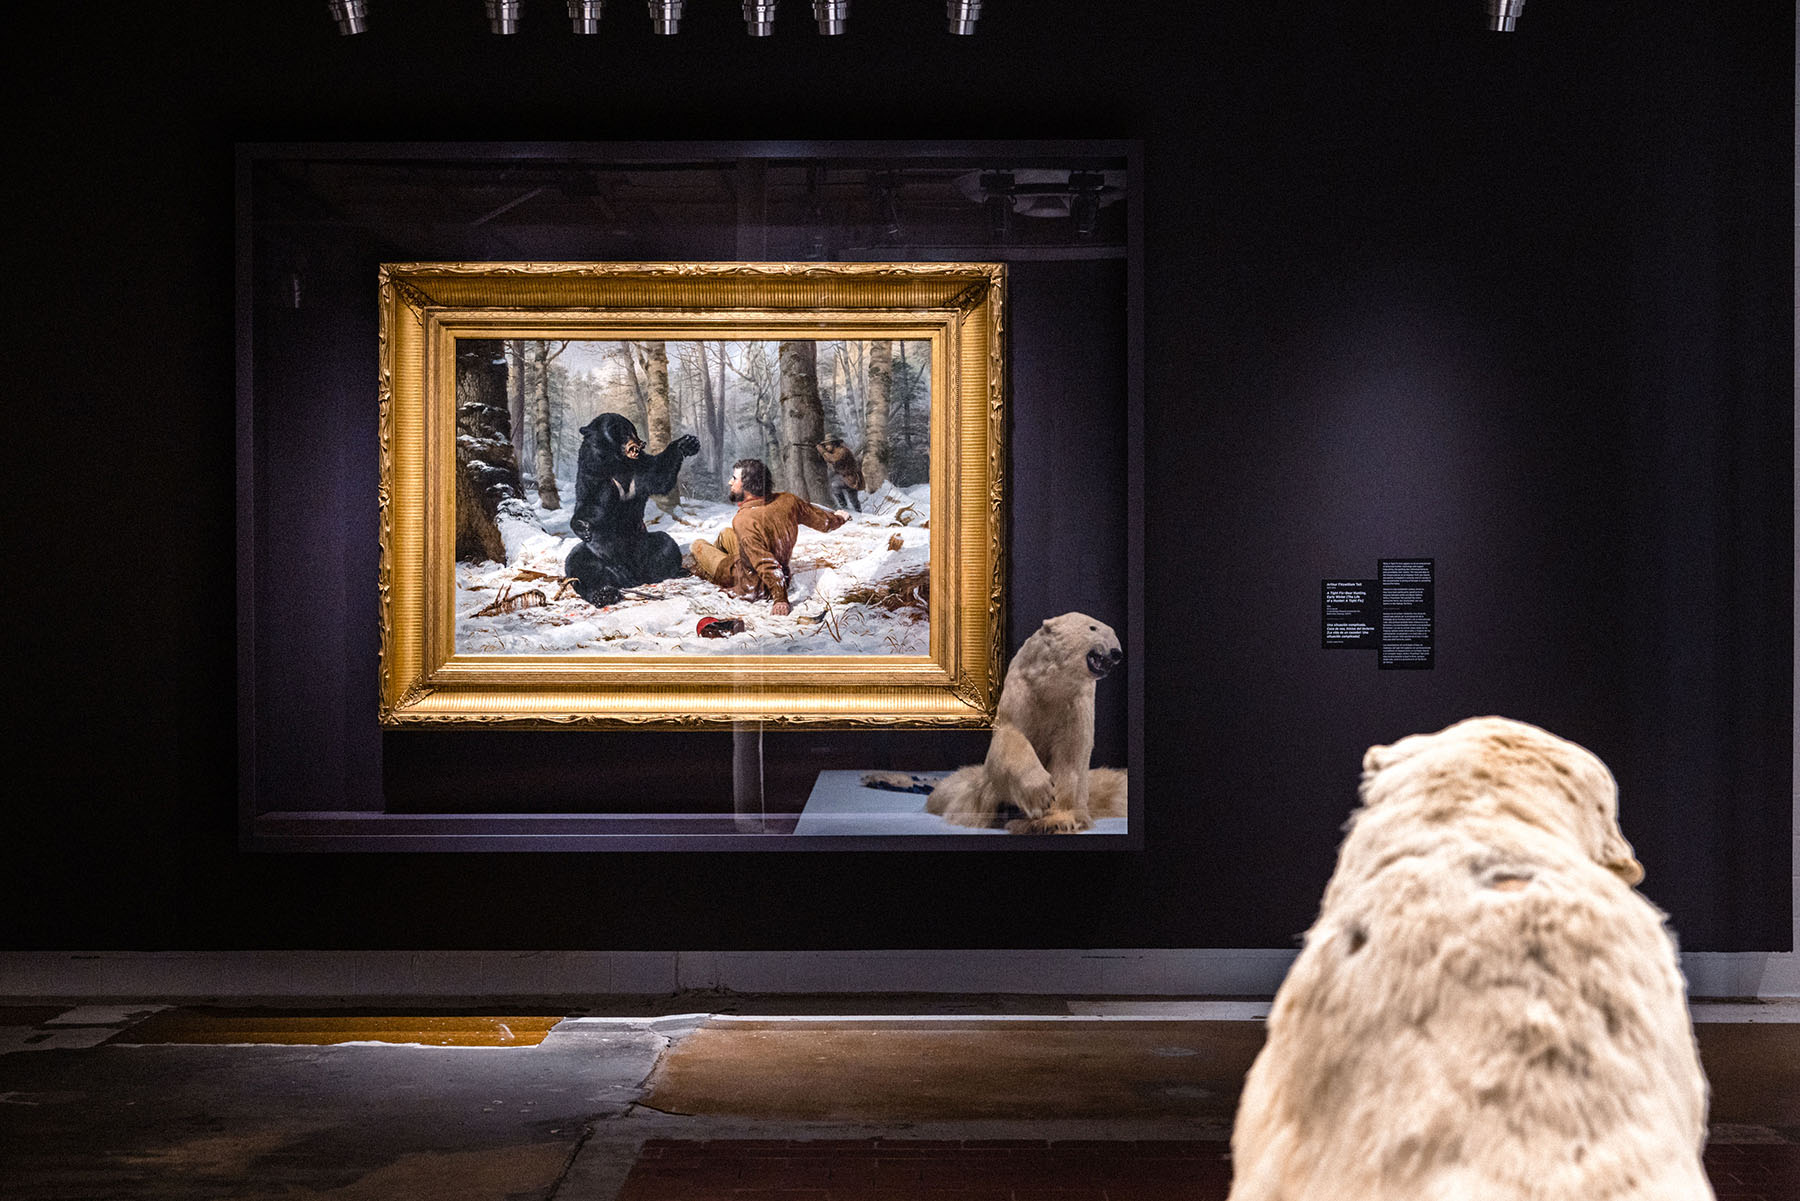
1395	614
1408	614
1350	619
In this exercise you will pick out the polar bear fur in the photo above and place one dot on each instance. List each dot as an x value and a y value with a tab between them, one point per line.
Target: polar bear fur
1485	1009
1036	778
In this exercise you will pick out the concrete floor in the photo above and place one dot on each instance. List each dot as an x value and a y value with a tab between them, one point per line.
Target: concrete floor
701	1098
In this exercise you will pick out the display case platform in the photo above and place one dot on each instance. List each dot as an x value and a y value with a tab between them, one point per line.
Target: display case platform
840	805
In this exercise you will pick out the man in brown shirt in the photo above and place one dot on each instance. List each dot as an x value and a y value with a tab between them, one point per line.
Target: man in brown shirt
751	557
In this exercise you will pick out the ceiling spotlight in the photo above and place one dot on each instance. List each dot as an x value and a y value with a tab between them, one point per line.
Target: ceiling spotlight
665	16
1503	15
503	16
584	15
832	15
963	14
352	16
759	17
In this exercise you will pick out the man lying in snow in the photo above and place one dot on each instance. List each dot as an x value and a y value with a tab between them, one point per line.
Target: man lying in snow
751	557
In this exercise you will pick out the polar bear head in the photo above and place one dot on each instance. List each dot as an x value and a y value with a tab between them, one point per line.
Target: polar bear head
1076	645
1499	767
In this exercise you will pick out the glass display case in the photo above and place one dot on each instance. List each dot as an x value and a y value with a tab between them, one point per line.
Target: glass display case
690	496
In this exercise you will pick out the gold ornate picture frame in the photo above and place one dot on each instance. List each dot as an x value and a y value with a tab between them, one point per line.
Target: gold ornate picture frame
431	676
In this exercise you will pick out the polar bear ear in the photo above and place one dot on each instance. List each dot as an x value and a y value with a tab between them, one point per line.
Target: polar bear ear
1624	865
1376	758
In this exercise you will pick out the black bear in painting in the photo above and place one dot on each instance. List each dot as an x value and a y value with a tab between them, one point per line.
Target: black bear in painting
613	479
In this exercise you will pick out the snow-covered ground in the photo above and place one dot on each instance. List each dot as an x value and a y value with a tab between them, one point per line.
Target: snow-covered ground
889	539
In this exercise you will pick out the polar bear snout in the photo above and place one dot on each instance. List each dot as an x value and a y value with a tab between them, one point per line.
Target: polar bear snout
1101	660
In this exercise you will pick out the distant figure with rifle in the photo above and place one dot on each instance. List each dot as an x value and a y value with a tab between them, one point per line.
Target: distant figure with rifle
846	473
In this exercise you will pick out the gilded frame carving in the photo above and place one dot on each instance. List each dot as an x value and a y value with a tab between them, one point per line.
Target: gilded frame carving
424	307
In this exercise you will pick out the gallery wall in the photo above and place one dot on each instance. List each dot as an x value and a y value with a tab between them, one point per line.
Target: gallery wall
1519	304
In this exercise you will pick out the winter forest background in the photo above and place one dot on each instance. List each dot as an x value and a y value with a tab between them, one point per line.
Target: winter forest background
862	588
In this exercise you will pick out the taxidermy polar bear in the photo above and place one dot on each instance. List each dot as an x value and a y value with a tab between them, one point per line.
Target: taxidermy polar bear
1485	1010
1036	779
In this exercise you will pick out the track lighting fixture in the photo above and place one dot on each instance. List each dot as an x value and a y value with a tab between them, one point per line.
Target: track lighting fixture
1017	197
665	16
832	16
962	15
759	17
352	16
1503	15
584	15
503	16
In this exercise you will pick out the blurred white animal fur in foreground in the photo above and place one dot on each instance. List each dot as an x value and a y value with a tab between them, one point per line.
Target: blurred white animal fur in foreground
1036	778
1485	1009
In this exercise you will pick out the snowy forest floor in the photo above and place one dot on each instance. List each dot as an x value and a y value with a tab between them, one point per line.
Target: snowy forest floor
848	590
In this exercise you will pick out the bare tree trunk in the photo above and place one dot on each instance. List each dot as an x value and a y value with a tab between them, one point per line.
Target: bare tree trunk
486	473
477	536
627	356
802	422
515	356
827	373
709	419
875	414
653	357
715	410
543	452
906	421
853	391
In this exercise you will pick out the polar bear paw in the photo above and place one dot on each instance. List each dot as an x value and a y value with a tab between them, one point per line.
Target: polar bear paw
1065	822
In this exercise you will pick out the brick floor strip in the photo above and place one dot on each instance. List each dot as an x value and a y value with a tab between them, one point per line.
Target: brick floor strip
1029	1170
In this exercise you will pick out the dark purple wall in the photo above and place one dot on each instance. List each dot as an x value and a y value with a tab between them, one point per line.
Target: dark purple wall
1522	304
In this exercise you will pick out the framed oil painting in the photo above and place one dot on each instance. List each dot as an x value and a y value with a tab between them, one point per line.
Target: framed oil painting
680	495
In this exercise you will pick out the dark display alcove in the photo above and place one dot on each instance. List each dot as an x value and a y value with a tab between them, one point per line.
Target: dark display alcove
315	223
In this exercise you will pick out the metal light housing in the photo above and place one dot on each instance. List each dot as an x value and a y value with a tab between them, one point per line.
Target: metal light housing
352	16
962	15
584	15
665	17
832	16
1503	15
759	18
503	16
1084	201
